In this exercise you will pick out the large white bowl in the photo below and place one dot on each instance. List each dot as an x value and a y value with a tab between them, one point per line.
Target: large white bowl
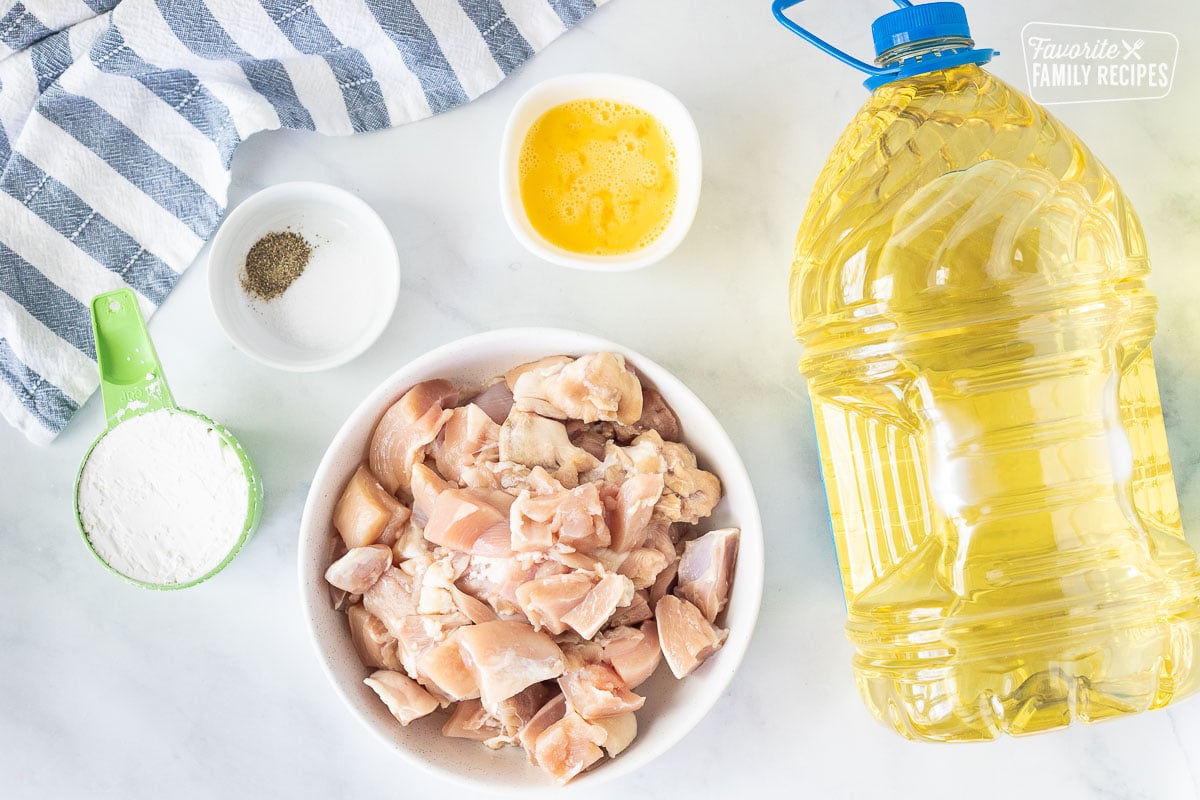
672	707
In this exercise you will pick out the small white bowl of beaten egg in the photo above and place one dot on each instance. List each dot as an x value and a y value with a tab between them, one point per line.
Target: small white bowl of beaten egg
600	172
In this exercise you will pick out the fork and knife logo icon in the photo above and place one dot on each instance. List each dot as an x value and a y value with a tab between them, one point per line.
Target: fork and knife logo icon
1132	50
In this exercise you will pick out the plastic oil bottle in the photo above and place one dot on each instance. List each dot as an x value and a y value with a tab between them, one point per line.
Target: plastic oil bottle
969	288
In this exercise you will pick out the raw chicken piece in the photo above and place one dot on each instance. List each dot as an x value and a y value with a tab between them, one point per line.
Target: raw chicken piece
471	721
339	549
496	401
469	438
690	493
358	570
706	569
698	491
597	386
541	482
603	559
568	747
661	536
578	652
471	521
579	562
549	365
442	665
507	656
435	579
546	600
656	416
412	567
643	566
637	611
474	609
406	429
366	510
633	653
596	691
505	475
580	522
643	457
340	599
535	441
418	635
532	518
551	712
402	695
547	569
608	491
685	636
594	610
545	513
621	730
630	513
426	486
411	544
392	599
392	533
434	575
516	712
496	580
374	646
592	437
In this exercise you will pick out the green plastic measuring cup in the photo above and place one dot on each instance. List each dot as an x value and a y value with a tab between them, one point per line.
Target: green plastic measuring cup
132	384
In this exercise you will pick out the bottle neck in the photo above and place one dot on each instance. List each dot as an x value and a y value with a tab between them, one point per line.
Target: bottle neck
937	47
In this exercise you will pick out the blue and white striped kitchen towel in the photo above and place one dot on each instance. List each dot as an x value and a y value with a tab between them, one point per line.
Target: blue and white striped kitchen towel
119	118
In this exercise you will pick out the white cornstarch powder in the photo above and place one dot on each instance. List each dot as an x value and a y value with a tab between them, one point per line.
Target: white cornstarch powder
163	498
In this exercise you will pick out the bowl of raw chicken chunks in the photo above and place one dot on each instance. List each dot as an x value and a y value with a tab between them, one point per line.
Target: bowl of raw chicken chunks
531	558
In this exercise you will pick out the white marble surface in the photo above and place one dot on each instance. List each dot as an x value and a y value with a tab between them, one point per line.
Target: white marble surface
112	691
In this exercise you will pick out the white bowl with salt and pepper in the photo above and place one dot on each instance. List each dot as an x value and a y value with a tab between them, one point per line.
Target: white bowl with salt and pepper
334	306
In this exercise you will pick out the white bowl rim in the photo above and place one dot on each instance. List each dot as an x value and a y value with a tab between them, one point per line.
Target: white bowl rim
748	572
388	254
683	133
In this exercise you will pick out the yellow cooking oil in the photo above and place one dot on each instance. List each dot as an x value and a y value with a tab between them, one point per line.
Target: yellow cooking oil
598	177
969	286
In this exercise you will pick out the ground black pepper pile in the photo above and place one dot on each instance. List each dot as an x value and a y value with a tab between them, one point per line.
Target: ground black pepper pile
274	262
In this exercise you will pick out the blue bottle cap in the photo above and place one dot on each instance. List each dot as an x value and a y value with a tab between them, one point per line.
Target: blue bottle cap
943	25
918	22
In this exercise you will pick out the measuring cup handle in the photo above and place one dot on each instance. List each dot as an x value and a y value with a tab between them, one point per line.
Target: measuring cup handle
131	379
781	6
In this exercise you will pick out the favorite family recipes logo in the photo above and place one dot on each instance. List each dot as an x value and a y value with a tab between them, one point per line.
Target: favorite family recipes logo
1086	64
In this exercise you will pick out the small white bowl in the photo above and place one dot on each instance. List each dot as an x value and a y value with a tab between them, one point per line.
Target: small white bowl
338	306
653	99
673	707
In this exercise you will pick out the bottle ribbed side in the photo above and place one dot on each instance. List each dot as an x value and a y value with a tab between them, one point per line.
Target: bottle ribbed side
969	290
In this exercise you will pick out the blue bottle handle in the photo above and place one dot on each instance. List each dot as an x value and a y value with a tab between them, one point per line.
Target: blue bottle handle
780	6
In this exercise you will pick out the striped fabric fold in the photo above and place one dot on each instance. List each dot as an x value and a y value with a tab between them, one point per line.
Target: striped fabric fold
119	119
